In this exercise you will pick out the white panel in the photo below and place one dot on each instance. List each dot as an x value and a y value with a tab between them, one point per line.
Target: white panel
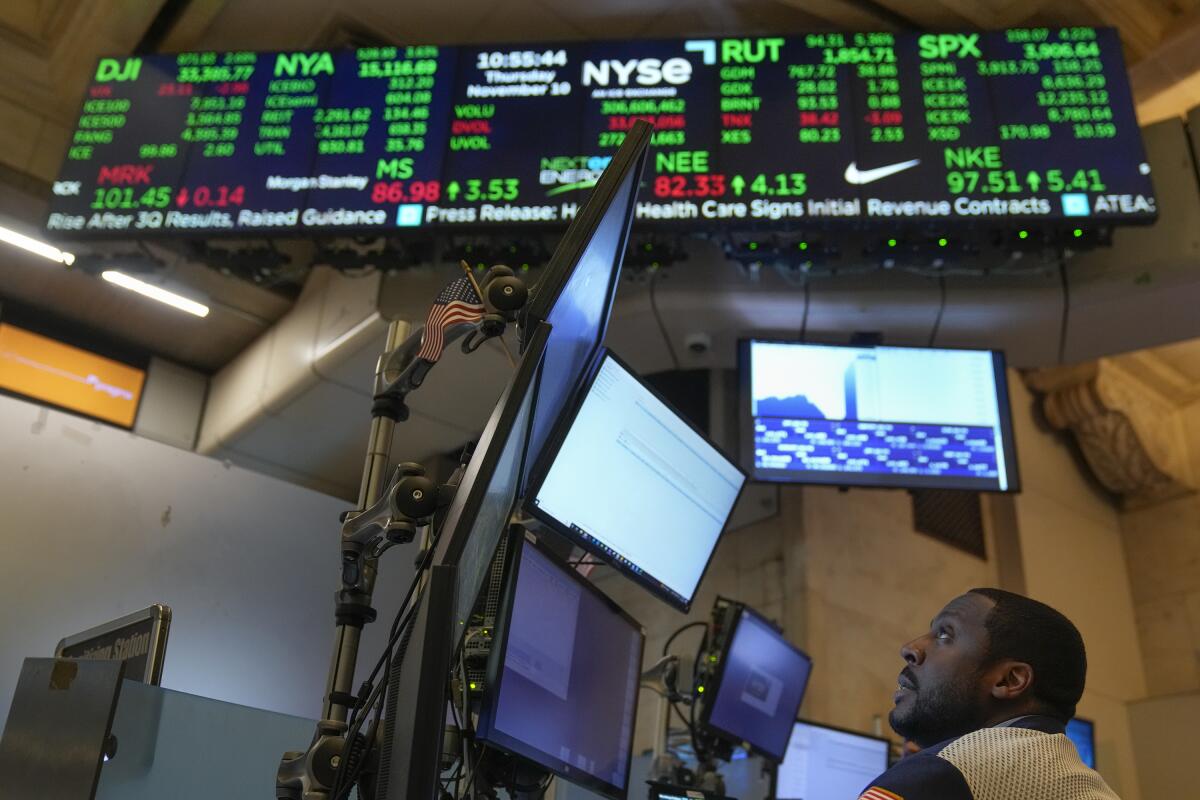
172	401
101	523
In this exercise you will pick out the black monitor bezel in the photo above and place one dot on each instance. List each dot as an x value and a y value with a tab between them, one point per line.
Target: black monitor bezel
486	730
573	244
713	689
801	721
460	518
558	436
861	480
627	163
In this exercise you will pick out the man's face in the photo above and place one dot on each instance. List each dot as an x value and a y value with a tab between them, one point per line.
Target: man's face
943	691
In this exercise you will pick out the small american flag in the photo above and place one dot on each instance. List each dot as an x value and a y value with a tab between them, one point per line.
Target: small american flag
457	304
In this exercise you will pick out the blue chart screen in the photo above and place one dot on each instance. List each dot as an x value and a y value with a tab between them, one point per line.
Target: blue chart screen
879	416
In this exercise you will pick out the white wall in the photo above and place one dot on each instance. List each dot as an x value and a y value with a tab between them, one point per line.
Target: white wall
96	522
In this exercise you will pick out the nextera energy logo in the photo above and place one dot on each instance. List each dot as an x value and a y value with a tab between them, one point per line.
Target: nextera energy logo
569	173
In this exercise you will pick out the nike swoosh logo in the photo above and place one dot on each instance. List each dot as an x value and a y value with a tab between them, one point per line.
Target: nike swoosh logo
856	176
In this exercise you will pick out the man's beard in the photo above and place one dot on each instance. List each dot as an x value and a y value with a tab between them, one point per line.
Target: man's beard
939	713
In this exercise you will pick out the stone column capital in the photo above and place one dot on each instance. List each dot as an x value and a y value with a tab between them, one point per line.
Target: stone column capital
1131	435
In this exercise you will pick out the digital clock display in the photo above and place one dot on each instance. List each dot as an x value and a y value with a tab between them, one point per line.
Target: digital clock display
1009	127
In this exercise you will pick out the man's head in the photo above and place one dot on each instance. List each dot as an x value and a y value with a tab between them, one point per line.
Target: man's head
989	655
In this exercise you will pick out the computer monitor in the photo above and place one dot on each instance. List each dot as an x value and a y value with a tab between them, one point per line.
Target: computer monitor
827	763
758	685
630	480
563	674
484	499
470	534
1082	732
575	294
906	417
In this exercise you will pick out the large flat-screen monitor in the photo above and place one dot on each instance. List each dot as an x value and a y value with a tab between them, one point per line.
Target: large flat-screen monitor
758	687
826	763
1082	732
629	479
909	417
563	674
575	294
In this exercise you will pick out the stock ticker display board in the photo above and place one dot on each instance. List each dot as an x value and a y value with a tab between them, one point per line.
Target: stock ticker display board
1022	125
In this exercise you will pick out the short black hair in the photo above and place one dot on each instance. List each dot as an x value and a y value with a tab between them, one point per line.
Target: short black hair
1026	630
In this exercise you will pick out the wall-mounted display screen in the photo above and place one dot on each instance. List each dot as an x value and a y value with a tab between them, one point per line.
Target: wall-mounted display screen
1025	124
65	376
876	416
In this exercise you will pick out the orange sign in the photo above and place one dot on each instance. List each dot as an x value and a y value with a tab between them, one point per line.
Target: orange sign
66	376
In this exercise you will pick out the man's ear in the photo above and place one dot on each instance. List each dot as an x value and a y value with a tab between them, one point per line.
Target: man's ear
1013	679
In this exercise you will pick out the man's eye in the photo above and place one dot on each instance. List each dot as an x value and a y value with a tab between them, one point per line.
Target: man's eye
943	634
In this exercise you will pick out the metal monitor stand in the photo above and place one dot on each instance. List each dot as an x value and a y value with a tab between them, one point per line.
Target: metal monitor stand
388	513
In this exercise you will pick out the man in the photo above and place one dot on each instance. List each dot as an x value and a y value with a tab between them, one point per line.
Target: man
986	695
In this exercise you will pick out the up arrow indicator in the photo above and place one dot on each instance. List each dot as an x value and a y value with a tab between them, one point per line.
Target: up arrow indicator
1034	180
452	190
738	184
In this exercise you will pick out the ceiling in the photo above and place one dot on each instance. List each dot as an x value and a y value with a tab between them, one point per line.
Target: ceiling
48	49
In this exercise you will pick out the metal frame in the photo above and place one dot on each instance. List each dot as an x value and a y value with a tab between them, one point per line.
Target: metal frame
155	655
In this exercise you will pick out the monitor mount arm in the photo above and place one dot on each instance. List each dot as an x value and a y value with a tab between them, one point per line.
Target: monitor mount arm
389	511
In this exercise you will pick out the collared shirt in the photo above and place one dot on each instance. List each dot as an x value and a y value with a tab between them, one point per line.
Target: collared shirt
1025	758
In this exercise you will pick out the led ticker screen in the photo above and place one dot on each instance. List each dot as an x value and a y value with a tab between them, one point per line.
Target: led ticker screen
1024	124
68	377
907	417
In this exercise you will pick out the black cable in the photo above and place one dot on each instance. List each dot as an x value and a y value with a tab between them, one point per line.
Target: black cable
377	693
804	319
342	784
937	322
1066	312
686	724
658	318
671	638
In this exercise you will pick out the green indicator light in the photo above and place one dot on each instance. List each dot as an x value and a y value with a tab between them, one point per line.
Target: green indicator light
713	659
648	247
1078	232
1024	234
754	245
803	245
699	690
654	265
524	268
480	265
474	685
891	242
942	242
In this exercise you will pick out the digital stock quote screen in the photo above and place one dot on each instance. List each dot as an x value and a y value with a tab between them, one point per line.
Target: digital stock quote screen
1016	125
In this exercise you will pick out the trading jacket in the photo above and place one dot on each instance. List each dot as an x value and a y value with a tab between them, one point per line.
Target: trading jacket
1029	758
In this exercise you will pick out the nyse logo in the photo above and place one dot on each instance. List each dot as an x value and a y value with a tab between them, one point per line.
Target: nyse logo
645	71
67	188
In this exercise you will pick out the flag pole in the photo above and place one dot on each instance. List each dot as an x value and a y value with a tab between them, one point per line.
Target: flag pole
479	292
